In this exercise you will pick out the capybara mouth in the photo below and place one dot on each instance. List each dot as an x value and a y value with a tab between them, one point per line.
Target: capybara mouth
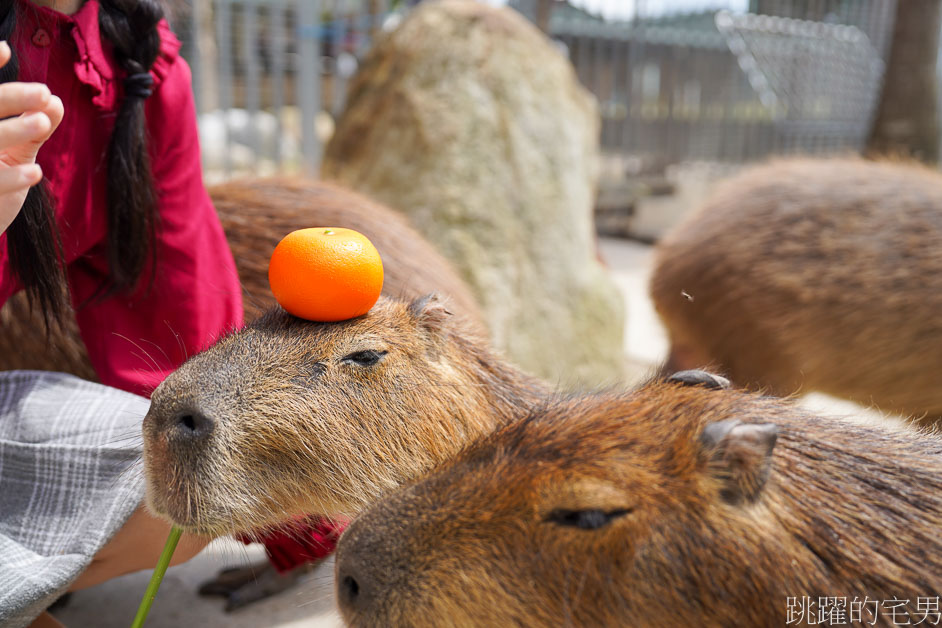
199	495
172	505
184	513
173	493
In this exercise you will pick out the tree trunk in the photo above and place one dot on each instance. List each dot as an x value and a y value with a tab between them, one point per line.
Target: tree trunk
907	120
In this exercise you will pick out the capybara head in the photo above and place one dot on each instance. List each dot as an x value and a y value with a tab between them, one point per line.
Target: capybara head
291	416
680	504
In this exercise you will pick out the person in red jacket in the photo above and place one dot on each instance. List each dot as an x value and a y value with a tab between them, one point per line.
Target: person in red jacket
146	263
121	228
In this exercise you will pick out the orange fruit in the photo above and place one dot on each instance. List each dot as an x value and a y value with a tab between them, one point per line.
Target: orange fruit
326	274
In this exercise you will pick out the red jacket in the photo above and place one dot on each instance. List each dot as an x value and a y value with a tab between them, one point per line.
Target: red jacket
134	341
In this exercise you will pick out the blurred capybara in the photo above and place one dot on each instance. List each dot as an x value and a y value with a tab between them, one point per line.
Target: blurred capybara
256	214
679	504
289	416
813	274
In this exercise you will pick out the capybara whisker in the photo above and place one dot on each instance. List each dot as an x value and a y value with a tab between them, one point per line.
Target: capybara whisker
146	357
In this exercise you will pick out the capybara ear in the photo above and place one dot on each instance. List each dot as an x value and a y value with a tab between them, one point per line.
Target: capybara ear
430	311
739	455
699	378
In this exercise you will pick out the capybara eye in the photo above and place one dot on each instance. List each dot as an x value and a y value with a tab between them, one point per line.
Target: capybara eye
585	519
699	378
365	358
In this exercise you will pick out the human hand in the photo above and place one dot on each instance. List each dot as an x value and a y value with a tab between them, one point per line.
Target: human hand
32	114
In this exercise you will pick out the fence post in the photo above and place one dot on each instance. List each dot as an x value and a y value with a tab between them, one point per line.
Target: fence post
276	21
251	85
307	79
223	35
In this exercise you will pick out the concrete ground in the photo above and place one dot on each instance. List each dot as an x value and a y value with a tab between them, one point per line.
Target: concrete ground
311	604
114	603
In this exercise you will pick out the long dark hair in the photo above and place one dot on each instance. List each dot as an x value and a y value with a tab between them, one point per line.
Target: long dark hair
33	242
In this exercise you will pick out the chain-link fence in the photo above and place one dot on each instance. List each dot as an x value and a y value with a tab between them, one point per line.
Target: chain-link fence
270	75
708	85
721	86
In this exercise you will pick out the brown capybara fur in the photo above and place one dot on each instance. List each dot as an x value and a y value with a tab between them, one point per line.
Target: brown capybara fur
813	274
289	416
255	215
669	506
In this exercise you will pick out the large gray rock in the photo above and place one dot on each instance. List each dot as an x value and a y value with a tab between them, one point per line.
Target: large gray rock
470	121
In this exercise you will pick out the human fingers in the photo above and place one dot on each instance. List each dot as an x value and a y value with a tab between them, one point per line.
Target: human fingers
54	111
19	178
27	151
22	130
14	184
17	97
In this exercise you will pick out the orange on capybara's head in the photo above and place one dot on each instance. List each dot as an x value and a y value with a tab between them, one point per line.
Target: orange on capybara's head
326	274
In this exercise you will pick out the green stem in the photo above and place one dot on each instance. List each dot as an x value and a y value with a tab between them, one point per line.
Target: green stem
157	577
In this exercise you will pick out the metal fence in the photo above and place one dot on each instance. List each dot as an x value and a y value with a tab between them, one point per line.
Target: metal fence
707	85
720	86
268	73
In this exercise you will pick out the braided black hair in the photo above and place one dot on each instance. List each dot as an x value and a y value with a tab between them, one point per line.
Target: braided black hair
33	240
131	27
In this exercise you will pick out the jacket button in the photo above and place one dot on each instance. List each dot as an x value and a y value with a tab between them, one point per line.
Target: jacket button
41	37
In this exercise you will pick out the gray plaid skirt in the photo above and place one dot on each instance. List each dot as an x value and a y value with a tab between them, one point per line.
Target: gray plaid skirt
70	477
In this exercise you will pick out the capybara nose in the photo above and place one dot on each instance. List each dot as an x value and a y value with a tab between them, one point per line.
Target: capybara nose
349	590
191	424
353	587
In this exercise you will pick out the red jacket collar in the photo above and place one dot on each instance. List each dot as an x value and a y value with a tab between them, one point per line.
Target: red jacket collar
95	66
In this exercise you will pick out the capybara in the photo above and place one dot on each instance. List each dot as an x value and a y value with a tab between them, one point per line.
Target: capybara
679	504
813	274
256	214
290	416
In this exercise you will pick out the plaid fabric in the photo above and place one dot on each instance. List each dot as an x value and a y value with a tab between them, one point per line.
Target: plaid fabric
69	478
